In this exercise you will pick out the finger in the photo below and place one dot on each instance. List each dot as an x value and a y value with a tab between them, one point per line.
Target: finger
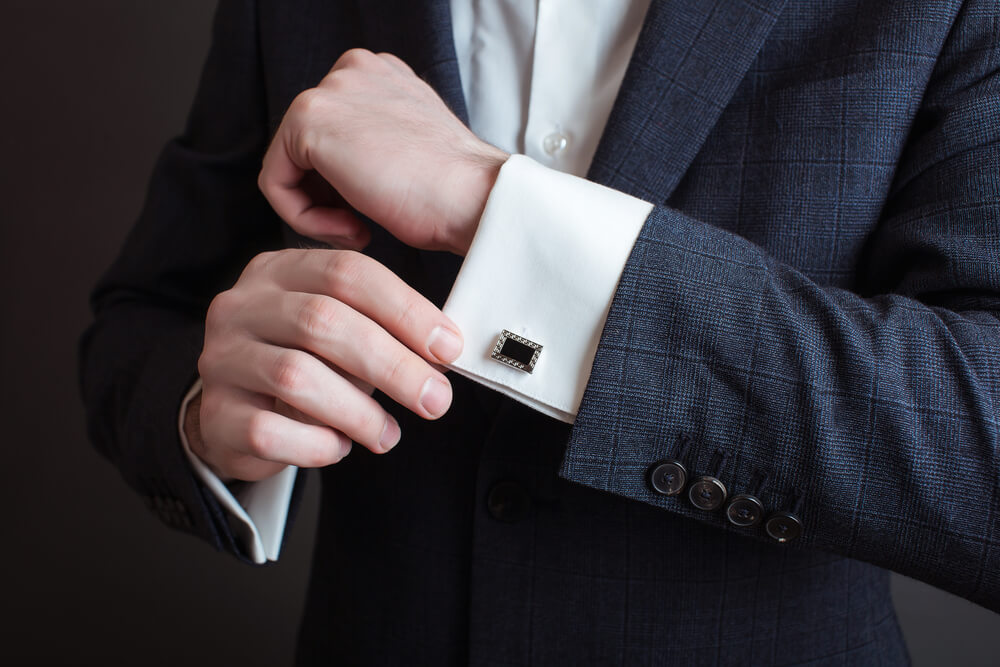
281	177
338	227
245	428
246	468
372	289
350	341
292	412
330	220
298	379
286	181
223	461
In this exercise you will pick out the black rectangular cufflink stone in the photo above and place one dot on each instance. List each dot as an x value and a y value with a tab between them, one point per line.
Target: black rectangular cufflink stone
516	351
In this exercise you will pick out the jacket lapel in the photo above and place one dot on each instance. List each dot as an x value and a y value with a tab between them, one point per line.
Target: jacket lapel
688	61
687	64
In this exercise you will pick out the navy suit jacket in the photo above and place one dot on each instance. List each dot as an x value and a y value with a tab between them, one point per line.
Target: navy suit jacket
811	307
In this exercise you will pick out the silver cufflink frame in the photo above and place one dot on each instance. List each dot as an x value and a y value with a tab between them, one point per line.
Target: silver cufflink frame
523	347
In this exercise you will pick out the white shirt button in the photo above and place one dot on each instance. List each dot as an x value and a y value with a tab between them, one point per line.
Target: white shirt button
554	143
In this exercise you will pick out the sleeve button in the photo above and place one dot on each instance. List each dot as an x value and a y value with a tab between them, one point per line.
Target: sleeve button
707	493
783	526
745	510
668	477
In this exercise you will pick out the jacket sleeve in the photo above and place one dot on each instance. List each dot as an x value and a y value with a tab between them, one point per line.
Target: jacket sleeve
202	221
870	414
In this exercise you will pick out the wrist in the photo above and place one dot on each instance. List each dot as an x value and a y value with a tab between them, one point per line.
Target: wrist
192	431
477	181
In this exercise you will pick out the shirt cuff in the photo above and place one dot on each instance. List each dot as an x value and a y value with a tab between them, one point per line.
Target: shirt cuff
544	265
259	509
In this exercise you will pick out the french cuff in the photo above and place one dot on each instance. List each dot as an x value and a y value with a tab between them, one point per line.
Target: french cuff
538	281
259	509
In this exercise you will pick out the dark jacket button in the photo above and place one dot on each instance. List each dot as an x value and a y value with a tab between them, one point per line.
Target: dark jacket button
707	493
745	510
508	502
668	477
783	526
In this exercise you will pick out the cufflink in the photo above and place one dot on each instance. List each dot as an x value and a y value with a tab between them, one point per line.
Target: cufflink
516	351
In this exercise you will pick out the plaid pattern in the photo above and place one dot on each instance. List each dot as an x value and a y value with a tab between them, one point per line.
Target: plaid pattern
805	156
817	297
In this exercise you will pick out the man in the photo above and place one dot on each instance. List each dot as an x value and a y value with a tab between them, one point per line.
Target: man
775	335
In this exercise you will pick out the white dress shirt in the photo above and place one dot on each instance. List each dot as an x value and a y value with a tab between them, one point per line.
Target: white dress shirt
539	78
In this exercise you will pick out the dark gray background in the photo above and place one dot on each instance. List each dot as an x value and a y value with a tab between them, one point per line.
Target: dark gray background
90	91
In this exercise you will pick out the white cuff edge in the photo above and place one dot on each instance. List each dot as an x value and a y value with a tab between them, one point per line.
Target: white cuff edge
261	497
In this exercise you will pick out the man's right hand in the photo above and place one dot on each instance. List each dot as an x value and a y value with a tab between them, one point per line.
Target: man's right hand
291	354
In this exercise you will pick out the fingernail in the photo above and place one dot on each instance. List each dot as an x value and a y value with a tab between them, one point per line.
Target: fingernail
390	433
435	397
345	449
444	344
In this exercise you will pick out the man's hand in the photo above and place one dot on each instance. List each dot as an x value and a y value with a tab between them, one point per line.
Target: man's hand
373	135
292	352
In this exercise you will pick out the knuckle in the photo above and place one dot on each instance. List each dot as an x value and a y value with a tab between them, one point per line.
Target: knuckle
345	271
302	132
317	318
305	141
337	81
395	372
220	310
394	60
260	262
207	361
214	360
260	436
210	408
356	57
367	424
408	317
288	374
306	103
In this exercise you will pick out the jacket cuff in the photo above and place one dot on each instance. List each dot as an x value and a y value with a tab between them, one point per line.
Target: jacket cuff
153	460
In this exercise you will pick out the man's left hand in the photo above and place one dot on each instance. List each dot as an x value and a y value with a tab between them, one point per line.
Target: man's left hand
374	137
